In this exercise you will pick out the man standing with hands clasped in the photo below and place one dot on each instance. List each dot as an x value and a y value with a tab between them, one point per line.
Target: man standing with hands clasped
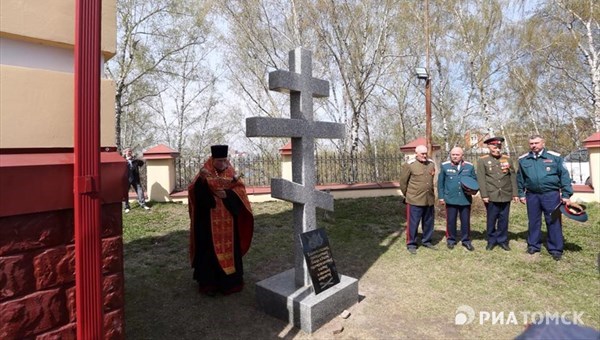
221	225
457	198
416	183
543	183
498	186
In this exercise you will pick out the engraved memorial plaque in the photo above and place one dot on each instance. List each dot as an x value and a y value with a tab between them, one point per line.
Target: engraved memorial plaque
319	260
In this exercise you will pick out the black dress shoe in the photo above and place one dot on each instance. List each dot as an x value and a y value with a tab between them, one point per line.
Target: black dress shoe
469	246
531	251
412	251
505	246
450	246
429	246
556	257
490	246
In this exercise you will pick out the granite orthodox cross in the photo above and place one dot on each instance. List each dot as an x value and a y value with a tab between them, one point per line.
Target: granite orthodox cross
303	130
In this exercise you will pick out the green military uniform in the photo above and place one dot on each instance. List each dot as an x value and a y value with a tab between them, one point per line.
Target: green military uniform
497	178
416	182
497	182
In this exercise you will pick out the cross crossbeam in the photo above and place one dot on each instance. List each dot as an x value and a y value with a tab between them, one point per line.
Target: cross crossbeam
296	193
295	128
287	82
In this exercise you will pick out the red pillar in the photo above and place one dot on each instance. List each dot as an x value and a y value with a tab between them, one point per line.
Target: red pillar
87	169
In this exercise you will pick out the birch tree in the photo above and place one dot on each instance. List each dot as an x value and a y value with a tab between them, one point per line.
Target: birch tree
578	23
186	108
143	44
258	36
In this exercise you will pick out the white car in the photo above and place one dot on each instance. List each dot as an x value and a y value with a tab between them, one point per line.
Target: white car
578	164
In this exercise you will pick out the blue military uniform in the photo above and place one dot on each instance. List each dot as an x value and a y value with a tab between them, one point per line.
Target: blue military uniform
458	203
543	179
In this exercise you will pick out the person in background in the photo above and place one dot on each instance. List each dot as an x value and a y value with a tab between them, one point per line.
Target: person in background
416	183
451	192
497	186
133	178
221	225
543	183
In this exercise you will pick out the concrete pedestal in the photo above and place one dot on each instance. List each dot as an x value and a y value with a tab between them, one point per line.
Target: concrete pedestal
278	296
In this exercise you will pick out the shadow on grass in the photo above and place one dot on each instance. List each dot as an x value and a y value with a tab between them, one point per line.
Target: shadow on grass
522	236
162	299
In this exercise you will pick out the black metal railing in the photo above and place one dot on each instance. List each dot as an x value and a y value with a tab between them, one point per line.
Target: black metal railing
330	169
336	169
255	170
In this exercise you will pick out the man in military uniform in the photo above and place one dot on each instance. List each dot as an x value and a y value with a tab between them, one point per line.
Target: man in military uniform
497	186
456	199
543	182
416	183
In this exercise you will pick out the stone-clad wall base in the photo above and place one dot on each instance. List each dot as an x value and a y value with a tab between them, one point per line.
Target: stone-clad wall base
278	296
37	275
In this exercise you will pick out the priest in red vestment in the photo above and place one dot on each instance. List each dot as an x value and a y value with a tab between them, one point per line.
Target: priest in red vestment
221	225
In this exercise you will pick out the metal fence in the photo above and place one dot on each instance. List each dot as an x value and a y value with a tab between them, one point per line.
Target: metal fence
256	170
470	156
336	169
330	169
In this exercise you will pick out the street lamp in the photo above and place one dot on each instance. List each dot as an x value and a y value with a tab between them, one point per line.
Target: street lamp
422	73
427	85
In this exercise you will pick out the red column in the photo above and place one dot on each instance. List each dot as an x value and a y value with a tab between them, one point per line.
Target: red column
86	170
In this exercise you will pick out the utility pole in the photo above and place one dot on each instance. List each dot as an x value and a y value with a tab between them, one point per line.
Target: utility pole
427	84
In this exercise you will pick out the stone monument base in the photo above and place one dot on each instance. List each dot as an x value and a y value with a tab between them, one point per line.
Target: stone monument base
278	296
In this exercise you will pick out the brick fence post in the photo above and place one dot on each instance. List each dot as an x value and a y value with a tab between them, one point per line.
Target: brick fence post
592	143
160	172
286	161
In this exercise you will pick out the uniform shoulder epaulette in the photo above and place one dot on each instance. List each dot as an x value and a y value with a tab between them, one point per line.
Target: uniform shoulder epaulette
524	155
485	156
554	153
446	162
411	161
429	159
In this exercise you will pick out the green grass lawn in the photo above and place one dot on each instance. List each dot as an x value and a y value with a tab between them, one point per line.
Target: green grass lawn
402	295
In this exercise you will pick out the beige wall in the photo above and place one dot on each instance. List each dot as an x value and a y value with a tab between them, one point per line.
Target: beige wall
36	109
160	175
286	167
36	90
594	173
52	22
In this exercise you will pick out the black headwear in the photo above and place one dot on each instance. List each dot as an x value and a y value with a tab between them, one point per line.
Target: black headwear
219	151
